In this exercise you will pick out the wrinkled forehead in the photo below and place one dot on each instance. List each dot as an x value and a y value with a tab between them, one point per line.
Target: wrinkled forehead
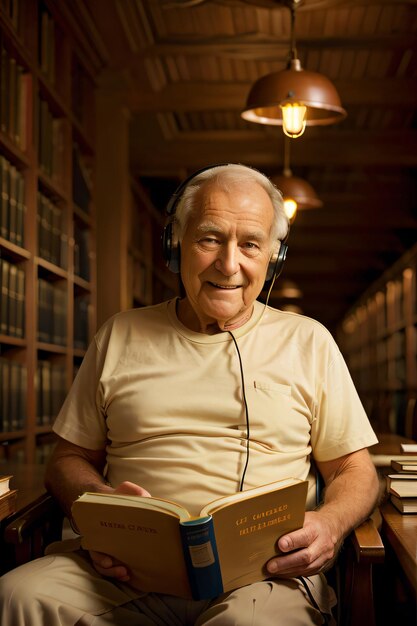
245	206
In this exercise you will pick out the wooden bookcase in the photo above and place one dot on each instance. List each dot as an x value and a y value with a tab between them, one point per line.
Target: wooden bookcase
47	239
130	268
151	282
378	337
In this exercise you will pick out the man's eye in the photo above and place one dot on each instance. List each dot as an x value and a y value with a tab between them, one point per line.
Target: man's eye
208	240
250	245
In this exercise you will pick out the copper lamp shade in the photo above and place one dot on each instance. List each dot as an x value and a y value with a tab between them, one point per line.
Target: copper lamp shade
299	190
298	86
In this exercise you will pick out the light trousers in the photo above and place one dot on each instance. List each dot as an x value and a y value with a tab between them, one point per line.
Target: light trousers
65	590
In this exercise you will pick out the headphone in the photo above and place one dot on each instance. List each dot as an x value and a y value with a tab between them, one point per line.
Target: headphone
171	245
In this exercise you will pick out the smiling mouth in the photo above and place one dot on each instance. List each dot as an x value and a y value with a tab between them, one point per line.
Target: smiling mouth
226	287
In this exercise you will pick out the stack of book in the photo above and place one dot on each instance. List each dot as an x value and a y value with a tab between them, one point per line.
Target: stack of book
7	497
402	485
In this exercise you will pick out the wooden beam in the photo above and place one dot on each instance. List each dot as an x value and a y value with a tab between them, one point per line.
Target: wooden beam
338	147
221	96
259	46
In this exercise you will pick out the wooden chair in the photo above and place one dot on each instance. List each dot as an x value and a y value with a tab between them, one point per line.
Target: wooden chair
41	523
29	532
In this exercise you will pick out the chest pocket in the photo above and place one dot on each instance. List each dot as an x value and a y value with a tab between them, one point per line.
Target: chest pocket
272	387
277	420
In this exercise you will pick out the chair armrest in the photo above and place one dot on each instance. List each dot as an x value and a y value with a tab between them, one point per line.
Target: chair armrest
33	528
367	543
362	549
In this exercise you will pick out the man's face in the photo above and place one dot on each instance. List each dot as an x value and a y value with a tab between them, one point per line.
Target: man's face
224	255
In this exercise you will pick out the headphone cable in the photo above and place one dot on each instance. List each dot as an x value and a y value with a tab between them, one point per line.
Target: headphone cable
246	411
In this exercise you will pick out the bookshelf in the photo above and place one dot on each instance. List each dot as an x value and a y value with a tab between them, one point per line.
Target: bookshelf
150	280
130	269
48	223
378	337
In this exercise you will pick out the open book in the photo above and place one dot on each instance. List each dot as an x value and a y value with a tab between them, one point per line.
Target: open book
168	551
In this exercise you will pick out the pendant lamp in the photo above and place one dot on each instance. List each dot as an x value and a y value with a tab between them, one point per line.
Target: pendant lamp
293	98
298	194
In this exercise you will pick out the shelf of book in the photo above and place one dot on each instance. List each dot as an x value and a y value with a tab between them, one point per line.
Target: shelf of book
378	337
47	220
151	281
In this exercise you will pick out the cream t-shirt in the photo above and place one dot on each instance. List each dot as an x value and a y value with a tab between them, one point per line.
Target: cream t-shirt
168	404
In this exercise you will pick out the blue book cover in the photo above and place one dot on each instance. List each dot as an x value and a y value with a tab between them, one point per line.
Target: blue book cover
201	558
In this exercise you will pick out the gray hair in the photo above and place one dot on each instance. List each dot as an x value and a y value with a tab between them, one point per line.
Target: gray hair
226	176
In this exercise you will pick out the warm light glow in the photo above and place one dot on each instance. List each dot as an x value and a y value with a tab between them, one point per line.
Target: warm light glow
293	119
290	208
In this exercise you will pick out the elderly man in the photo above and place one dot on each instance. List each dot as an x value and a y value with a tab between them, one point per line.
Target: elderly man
197	398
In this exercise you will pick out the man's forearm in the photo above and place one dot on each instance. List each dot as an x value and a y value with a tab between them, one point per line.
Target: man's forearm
71	472
351	495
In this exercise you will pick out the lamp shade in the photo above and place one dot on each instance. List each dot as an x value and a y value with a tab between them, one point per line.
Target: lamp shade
294	86
299	190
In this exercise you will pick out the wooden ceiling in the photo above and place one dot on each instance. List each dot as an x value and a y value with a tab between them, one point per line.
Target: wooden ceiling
185	69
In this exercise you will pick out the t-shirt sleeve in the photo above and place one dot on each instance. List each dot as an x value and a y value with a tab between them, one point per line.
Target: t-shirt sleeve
340	425
81	419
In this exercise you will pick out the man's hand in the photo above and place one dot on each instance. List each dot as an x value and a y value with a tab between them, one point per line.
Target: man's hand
307	551
105	564
349	497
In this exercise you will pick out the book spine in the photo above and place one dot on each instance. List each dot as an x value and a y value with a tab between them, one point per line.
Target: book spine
201	558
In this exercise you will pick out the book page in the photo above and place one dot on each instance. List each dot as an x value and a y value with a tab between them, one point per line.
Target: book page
147	541
142	502
248	530
219	503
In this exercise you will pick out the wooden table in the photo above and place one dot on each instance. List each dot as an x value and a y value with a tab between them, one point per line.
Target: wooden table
400	531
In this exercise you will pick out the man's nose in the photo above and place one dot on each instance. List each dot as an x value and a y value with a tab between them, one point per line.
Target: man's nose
228	260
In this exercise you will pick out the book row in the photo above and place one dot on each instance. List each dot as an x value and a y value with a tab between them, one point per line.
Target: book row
13	207
52	238
12	301
11	8
50	141
13	376
46	50
402	486
383	312
15	100
50	386
42	451
82	310
52	313
81	180
385	361
52	308
81	252
51	389
7	497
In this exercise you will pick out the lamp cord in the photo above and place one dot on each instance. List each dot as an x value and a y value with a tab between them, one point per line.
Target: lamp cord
293	51
287	168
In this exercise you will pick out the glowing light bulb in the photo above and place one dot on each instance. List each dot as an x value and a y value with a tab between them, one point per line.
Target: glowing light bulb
290	208
293	119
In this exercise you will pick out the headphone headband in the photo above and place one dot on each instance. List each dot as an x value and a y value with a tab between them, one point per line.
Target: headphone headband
170	243
176	196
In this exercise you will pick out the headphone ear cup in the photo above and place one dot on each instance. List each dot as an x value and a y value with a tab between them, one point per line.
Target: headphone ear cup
171	247
276	264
